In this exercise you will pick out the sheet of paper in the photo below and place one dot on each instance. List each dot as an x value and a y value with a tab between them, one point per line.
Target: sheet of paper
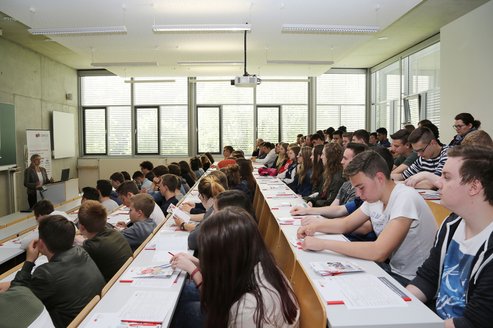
131	277
359	291
170	240
104	320
146	306
178	213
296	221
113	219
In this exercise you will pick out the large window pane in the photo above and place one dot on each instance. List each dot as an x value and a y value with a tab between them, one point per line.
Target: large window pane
147	130
294	121
104	90
353	117
328	115
174	130
94	131
208	129
238	127
282	91
161	93
268	123
119	131
222	92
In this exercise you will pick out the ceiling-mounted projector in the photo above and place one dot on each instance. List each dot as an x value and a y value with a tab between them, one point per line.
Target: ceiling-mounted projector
249	81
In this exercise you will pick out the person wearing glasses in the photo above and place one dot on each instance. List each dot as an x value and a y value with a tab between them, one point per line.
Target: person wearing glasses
464	124
431	158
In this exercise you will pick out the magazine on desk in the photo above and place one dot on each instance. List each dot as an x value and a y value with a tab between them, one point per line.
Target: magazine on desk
335	267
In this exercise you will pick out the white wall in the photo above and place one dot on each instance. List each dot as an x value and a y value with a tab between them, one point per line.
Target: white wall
467	69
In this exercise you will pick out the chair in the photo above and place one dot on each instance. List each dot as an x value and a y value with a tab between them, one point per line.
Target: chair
85	311
116	276
312	308
439	211
284	256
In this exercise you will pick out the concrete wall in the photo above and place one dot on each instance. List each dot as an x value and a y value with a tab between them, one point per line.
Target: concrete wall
467	69
36	86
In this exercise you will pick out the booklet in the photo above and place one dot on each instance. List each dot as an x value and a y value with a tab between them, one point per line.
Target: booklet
334	268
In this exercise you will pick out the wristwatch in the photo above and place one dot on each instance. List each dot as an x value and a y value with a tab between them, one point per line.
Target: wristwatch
182	226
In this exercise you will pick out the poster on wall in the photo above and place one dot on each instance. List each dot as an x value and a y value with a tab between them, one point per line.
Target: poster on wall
39	142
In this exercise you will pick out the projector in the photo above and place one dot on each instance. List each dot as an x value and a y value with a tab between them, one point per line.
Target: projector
248	81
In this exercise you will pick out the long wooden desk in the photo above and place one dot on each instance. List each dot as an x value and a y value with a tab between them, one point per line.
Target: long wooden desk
273	202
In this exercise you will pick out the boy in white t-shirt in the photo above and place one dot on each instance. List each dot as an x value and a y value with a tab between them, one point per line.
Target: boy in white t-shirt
459	269
401	219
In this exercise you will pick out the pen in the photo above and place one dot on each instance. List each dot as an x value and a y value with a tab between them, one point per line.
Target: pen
171	254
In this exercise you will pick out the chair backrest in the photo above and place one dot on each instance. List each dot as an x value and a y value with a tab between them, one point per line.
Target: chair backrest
312	308
439	211
85	311
117	275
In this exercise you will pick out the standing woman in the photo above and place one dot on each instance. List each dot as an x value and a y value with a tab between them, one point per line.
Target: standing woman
464	123
241	286
34	178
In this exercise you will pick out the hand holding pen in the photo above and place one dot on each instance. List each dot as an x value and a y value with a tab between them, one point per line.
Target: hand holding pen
184	261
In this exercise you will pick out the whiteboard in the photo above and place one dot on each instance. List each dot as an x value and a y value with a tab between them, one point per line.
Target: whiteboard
63	135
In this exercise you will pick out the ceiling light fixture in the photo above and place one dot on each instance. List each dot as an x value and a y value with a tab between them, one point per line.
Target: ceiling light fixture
202	28
300	62
79	30
149	81
210	63
304	28
127	64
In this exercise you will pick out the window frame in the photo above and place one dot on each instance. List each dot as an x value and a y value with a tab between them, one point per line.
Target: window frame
84	130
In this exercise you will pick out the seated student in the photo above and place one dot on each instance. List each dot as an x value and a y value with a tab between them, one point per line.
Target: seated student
138	178
69	280
431	158
372	141
116	179
141	207
337	136
104	187
40	209
344	196
382	138
332	175
126	175
107	247
361	136
206	163
89	193
167	188
400	217
302	184
464	124
146	167
317	179
196	166
282	158
175	169
288	175
209	188
262	296
234	180
227	151
457	277
346	138
127	190
187	173
317	139
478	138
246	175
21	308
402	148
258	142
270	157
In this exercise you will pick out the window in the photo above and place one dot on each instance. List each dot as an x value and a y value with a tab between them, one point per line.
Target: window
95	131
209	129
147	122
341	98
174	130
268	123
120	130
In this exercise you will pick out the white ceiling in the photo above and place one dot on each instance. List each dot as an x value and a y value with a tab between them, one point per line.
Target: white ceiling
402	22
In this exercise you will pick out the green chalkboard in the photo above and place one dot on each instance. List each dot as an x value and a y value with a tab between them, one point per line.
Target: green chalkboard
7	134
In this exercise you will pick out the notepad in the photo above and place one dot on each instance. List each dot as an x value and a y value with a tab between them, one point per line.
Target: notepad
146	307
333	268
178	213
296	221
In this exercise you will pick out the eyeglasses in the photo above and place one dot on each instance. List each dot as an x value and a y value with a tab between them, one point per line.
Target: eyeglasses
458	126
422	150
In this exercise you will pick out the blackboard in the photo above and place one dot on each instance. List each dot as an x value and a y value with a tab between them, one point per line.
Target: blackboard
7	135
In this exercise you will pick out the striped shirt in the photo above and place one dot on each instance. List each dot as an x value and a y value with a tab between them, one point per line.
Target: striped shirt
433	165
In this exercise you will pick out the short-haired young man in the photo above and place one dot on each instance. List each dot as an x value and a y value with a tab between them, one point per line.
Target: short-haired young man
337	136
89	193
104	187
146	167
116	179
431	158
346	138
127	190
107	247
167	188
404	151
317	139
141	207
361	136
373	139
401	219
270	157
227	151
382	138
458	274
69	280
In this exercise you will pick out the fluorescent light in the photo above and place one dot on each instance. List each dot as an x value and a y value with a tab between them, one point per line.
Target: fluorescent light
79	30
202	28
149	81
210	63
124	64
304	28
300	62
